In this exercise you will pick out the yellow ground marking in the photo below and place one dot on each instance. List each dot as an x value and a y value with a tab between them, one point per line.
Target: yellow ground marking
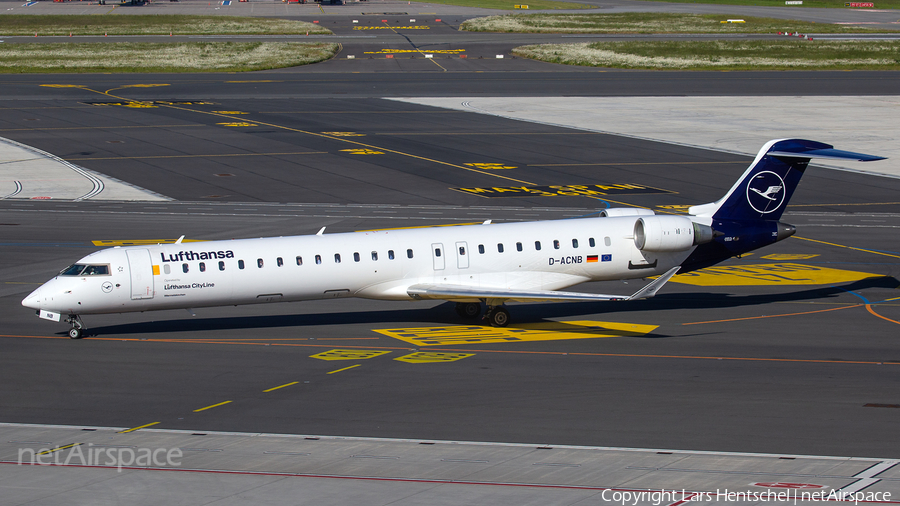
769	274
140	105
676	207
231	112
362	151
210	407
344	134
58	448
344	369
789	256
63	85
138	242
282	386
152	85
422	226
260	81
137	428
869	309
516	352
491	166
237	124
297	130
848	247
201	156
621	163
544	331
401	51
426	357
348	354
422	27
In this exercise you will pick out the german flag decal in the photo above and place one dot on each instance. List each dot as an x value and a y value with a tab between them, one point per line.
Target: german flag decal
592	258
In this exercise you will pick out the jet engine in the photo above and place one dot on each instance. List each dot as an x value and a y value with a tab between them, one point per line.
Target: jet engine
614	212
669	233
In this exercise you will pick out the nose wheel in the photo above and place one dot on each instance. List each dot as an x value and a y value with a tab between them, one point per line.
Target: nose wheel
76	332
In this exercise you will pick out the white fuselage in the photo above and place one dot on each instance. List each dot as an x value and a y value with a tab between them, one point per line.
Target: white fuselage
377	265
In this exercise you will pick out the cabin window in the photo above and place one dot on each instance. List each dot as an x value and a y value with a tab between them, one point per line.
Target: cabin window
337	258
221	265
606	241
202	266
574	243
318	259
375	255
437	252
518	246
537	245
299	260
555	244
167	269
500	247
481	248
390	254
279	261
462	250
259	263
356	257
184	268
591	242
240	264
409	253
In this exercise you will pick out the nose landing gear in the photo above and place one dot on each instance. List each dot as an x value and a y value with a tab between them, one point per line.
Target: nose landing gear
77	326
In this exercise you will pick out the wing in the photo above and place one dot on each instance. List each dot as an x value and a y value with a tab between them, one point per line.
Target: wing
463	292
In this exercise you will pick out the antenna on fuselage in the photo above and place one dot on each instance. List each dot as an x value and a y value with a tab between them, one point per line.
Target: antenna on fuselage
321	231
486	222
179	240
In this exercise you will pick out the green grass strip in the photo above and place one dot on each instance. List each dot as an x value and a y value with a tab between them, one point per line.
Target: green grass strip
162	24
723	55
509	5
835	4
647	22
160	57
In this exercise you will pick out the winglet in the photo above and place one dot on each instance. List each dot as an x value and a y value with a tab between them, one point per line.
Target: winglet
654	286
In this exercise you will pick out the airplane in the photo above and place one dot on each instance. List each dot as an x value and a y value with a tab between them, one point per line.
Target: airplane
471	265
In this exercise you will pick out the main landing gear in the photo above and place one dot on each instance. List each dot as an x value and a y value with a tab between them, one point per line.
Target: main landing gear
497	316
77	326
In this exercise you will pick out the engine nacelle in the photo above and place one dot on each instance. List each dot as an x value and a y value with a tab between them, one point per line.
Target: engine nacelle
614	212
669	233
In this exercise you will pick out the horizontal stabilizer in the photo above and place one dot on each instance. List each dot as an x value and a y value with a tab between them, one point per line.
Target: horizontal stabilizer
463	292
834	154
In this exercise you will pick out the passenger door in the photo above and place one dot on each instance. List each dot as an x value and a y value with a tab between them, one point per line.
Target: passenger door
141	268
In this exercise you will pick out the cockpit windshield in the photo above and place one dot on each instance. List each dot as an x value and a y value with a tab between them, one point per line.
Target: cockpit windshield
85	270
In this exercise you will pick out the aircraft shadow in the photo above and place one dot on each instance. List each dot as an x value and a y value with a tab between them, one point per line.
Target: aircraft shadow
445	314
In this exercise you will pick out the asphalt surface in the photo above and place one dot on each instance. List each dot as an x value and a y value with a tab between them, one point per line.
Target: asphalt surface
776	367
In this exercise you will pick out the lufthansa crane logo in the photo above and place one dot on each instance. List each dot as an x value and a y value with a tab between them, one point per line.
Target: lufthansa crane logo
765	192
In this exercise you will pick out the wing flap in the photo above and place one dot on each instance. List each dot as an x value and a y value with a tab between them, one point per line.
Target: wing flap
463	292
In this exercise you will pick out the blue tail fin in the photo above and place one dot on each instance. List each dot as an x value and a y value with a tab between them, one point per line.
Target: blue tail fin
764	190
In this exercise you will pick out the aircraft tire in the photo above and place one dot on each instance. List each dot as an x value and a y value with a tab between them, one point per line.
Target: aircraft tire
499	317
468	310
74	333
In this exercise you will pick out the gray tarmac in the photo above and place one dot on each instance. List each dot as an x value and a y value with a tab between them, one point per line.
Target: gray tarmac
800	360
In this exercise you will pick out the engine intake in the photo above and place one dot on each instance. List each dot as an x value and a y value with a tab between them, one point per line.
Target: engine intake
669	233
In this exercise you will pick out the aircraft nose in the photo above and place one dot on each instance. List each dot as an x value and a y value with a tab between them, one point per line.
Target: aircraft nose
33	300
